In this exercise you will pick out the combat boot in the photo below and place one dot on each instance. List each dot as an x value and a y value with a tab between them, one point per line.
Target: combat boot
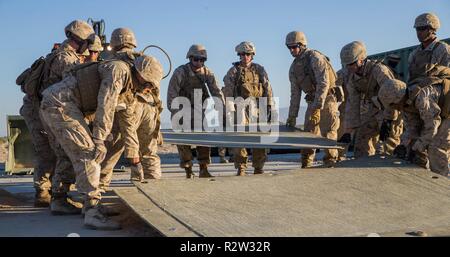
329	163
108	211
241	172
95	218
61	206
42	198
258	171
189	172
306	164
204	173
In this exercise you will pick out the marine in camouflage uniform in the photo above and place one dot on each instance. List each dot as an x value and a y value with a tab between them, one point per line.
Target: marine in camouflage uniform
136	124
341	81
426	105
52	162
312	73
247	79
185	79
93	87
421	127
363	111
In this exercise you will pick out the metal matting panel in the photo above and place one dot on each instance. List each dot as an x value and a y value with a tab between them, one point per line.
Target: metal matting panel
370	195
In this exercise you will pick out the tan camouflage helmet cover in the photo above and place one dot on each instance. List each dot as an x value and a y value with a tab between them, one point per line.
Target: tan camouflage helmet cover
392	92
86	53
296	37
121	37
149	68
80	29
352	52
96	46
427	19
197	51
246	47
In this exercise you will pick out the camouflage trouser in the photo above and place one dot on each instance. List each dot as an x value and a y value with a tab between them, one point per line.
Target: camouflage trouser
185	152
45	157
259	157
70	130
367	137
148	146
327	127
439	149
340	132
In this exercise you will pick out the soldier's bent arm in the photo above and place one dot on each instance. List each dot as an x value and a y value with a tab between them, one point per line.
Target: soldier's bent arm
213	86
229	82
266	86
114	76
174	88
319	68
296	95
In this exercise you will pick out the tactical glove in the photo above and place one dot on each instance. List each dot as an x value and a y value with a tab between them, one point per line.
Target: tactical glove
386	127
291	122
400	151
346	138
137	172
100	150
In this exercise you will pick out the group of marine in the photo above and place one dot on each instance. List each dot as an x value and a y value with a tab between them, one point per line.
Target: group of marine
84	113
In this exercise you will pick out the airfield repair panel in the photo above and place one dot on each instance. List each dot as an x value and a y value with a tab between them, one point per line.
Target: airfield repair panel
370	195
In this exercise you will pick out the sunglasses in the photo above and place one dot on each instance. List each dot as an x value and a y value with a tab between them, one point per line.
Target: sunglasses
196	59
422	28
245	54
293	47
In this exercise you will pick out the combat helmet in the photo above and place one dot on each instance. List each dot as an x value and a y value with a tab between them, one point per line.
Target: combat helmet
123	37
149	68
352	52
81	29
296	37
246	47
392	92
427	19
96	46
197	51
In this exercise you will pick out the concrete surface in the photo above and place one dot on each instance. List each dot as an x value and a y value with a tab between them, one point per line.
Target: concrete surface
374	195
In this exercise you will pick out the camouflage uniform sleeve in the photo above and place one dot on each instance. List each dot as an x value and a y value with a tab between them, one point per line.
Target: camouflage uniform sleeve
113	77
296	94
266	85
128	125
229	82
352	106
319	68
213	85
382	75
427	104
441	55
62	64
174	88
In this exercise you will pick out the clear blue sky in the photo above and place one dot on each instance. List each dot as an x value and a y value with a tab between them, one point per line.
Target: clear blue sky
29	28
